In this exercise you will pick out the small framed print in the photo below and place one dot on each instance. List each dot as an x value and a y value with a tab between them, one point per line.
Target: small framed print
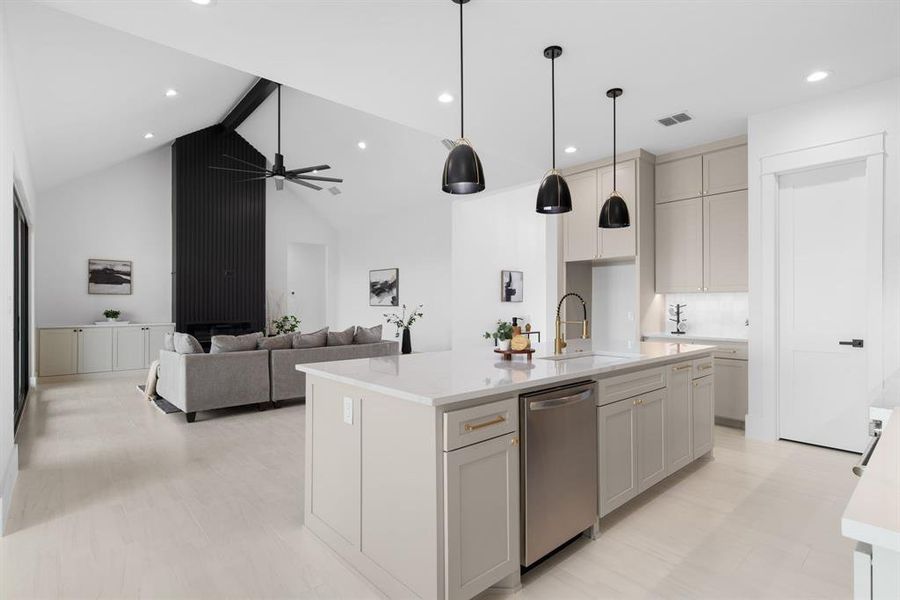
384	287
511	286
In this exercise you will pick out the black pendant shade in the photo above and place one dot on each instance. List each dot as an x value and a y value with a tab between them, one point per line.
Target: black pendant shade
553	195
463	173
614	212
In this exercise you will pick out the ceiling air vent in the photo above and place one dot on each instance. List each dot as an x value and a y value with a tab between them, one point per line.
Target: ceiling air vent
675	119
334	190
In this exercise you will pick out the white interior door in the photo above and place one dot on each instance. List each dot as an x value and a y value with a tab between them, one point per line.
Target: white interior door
827	275
307	279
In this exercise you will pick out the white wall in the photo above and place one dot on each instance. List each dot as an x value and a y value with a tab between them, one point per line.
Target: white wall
290	220
837	117
122	213
307	284
613	300
491	233
416	241
14	171
717	315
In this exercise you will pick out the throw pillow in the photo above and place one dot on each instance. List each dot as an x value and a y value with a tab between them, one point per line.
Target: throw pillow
185	343
316	339
234	343
367	335
276	342
341	338
169	342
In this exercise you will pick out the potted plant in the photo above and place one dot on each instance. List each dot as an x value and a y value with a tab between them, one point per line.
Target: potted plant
111	315
501	335
403	323
286	324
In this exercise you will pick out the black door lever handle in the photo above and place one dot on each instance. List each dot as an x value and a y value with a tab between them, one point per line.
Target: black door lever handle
855	343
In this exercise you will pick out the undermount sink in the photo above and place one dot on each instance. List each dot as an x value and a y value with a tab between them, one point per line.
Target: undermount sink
611	357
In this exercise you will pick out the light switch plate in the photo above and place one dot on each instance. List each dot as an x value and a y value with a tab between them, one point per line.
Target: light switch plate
348	410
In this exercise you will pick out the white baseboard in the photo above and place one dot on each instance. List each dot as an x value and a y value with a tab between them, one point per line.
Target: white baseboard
10	473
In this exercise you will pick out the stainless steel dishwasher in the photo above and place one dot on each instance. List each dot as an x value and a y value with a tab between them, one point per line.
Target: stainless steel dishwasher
559	467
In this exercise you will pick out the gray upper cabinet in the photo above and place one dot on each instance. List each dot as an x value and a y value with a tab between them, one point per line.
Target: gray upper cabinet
725	242
679	246
679	179
620	242
580	225
725	170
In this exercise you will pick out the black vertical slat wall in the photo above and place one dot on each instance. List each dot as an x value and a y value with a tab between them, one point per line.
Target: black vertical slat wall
219	235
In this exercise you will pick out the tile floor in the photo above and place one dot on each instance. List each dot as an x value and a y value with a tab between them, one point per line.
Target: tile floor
117	500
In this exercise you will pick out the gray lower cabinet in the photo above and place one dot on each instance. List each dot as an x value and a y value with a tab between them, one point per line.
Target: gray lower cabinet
703	414
616	433
57	352
651	439
129	350
481	515
679	443
95	350
731	391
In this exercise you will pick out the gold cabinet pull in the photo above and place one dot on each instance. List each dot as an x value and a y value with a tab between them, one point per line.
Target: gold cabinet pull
495	421
702	367
681	368
514	441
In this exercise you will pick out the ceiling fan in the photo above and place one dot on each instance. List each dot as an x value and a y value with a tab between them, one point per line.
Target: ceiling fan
298	176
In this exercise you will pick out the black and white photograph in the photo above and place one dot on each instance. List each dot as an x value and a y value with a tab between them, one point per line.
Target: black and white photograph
511	286
109	276
384	287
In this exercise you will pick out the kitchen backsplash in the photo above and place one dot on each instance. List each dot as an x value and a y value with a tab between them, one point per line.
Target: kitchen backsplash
714	314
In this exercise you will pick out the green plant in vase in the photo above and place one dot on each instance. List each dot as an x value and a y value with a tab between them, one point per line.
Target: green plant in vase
403	322
501	335
111	314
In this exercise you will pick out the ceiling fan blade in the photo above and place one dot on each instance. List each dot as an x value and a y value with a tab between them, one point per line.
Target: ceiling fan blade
315	178
309	185
254	178
241	160
258	171
307	170
279	184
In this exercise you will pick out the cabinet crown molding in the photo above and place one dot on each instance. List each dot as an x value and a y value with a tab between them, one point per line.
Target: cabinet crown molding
739	140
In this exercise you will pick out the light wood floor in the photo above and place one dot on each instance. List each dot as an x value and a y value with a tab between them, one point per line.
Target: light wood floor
115	499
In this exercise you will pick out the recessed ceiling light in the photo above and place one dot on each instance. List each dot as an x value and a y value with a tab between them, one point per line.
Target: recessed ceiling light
170	93
446	98
361	145
570	149
202	2
148	136
817	76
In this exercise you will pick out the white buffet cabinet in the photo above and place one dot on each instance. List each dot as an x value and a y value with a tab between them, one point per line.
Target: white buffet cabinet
412	462
99	348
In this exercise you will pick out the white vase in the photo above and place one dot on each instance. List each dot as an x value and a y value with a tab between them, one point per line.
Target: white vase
112	319
503	345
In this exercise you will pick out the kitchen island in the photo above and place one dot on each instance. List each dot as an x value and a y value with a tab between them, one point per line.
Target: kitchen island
412	462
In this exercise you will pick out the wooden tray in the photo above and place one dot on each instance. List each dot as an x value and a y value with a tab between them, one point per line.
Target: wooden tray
508	354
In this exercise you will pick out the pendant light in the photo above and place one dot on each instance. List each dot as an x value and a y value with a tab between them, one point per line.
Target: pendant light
463	173
614	213
553	194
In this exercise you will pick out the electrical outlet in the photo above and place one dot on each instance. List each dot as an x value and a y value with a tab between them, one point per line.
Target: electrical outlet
348	410
629	315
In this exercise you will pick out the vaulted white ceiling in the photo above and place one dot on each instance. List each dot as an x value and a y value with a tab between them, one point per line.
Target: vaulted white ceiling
89	93
719	60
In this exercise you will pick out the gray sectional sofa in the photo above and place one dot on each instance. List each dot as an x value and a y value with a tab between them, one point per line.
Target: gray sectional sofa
198	381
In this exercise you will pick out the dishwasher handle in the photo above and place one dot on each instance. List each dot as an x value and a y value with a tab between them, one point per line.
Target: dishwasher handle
557	402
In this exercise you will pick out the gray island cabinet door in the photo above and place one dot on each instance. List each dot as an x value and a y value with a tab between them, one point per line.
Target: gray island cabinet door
481	515
616	460
651	446
679	445
703	413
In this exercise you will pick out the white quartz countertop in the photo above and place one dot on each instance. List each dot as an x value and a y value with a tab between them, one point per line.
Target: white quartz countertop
873	513
690	336
440	378
105	324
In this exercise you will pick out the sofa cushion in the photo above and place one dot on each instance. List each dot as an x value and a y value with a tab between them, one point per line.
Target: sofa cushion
316	339
367	335
185	343
169	342
341	338
276	342
234	343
